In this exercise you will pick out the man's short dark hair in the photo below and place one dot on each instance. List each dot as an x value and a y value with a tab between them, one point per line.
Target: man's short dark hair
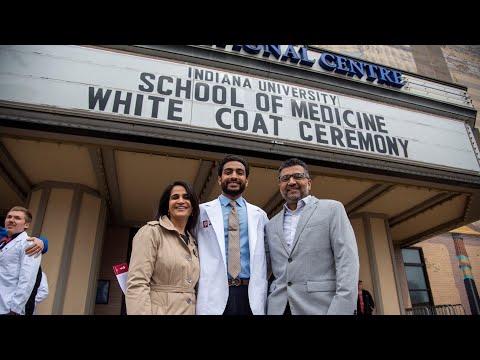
293	162
228	158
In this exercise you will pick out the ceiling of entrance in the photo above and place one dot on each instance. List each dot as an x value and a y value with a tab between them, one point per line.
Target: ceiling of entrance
132	176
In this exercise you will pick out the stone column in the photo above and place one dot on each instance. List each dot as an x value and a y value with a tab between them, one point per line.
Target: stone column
72	217
378	268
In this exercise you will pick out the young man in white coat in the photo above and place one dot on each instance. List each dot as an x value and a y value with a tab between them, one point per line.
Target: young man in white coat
312	251
222	289
18	271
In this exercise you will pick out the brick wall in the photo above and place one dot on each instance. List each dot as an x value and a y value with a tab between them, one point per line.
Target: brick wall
442	269
463	62
459	64
444	274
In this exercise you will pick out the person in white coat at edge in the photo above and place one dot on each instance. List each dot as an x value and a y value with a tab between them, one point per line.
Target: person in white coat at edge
311	250
18	271
218	292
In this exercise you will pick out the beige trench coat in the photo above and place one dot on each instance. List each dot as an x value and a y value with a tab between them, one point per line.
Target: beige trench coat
163	272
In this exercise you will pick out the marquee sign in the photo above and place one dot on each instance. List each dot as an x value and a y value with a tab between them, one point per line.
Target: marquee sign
193	97
352	68
327	61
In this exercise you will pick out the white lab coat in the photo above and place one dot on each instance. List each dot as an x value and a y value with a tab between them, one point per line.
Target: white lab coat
18	273
42	291
213	291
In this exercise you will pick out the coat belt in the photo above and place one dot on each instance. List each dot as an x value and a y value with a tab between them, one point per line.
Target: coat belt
170	288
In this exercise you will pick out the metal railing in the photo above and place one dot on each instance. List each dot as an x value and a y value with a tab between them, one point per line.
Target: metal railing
456	309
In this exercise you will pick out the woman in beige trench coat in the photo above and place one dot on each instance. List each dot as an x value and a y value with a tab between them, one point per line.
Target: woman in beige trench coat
164	266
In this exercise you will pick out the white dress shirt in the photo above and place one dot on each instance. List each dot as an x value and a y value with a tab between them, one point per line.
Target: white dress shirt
290	220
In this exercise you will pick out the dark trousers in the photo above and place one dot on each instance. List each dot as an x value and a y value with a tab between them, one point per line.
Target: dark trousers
30	305
287	310
237	303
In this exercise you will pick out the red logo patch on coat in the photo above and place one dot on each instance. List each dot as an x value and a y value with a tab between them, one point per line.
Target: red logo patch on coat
205	223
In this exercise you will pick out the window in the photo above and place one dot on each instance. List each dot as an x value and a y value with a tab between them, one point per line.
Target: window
102	292
417	278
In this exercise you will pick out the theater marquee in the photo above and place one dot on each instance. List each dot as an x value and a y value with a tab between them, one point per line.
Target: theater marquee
169	93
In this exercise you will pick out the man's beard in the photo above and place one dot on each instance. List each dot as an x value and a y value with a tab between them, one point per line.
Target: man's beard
291	198
233	193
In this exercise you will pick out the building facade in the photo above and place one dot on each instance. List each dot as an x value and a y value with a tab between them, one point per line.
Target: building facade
441	278
90	136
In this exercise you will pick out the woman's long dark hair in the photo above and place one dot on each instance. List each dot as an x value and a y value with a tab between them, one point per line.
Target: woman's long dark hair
165	199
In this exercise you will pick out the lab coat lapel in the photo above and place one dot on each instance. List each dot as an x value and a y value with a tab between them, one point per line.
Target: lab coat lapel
214	212
253	216
13	243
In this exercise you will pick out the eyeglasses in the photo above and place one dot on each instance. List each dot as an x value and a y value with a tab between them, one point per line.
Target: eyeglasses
296	176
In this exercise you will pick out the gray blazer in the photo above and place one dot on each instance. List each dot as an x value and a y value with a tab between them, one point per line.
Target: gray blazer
320	275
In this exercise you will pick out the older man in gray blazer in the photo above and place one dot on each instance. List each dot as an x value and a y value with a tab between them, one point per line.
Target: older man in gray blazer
311	250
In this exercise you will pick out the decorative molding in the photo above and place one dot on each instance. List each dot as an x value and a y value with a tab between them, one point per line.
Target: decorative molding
446	226
110	167
13	174
368	196
205	171
209	184
423	206
40	215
